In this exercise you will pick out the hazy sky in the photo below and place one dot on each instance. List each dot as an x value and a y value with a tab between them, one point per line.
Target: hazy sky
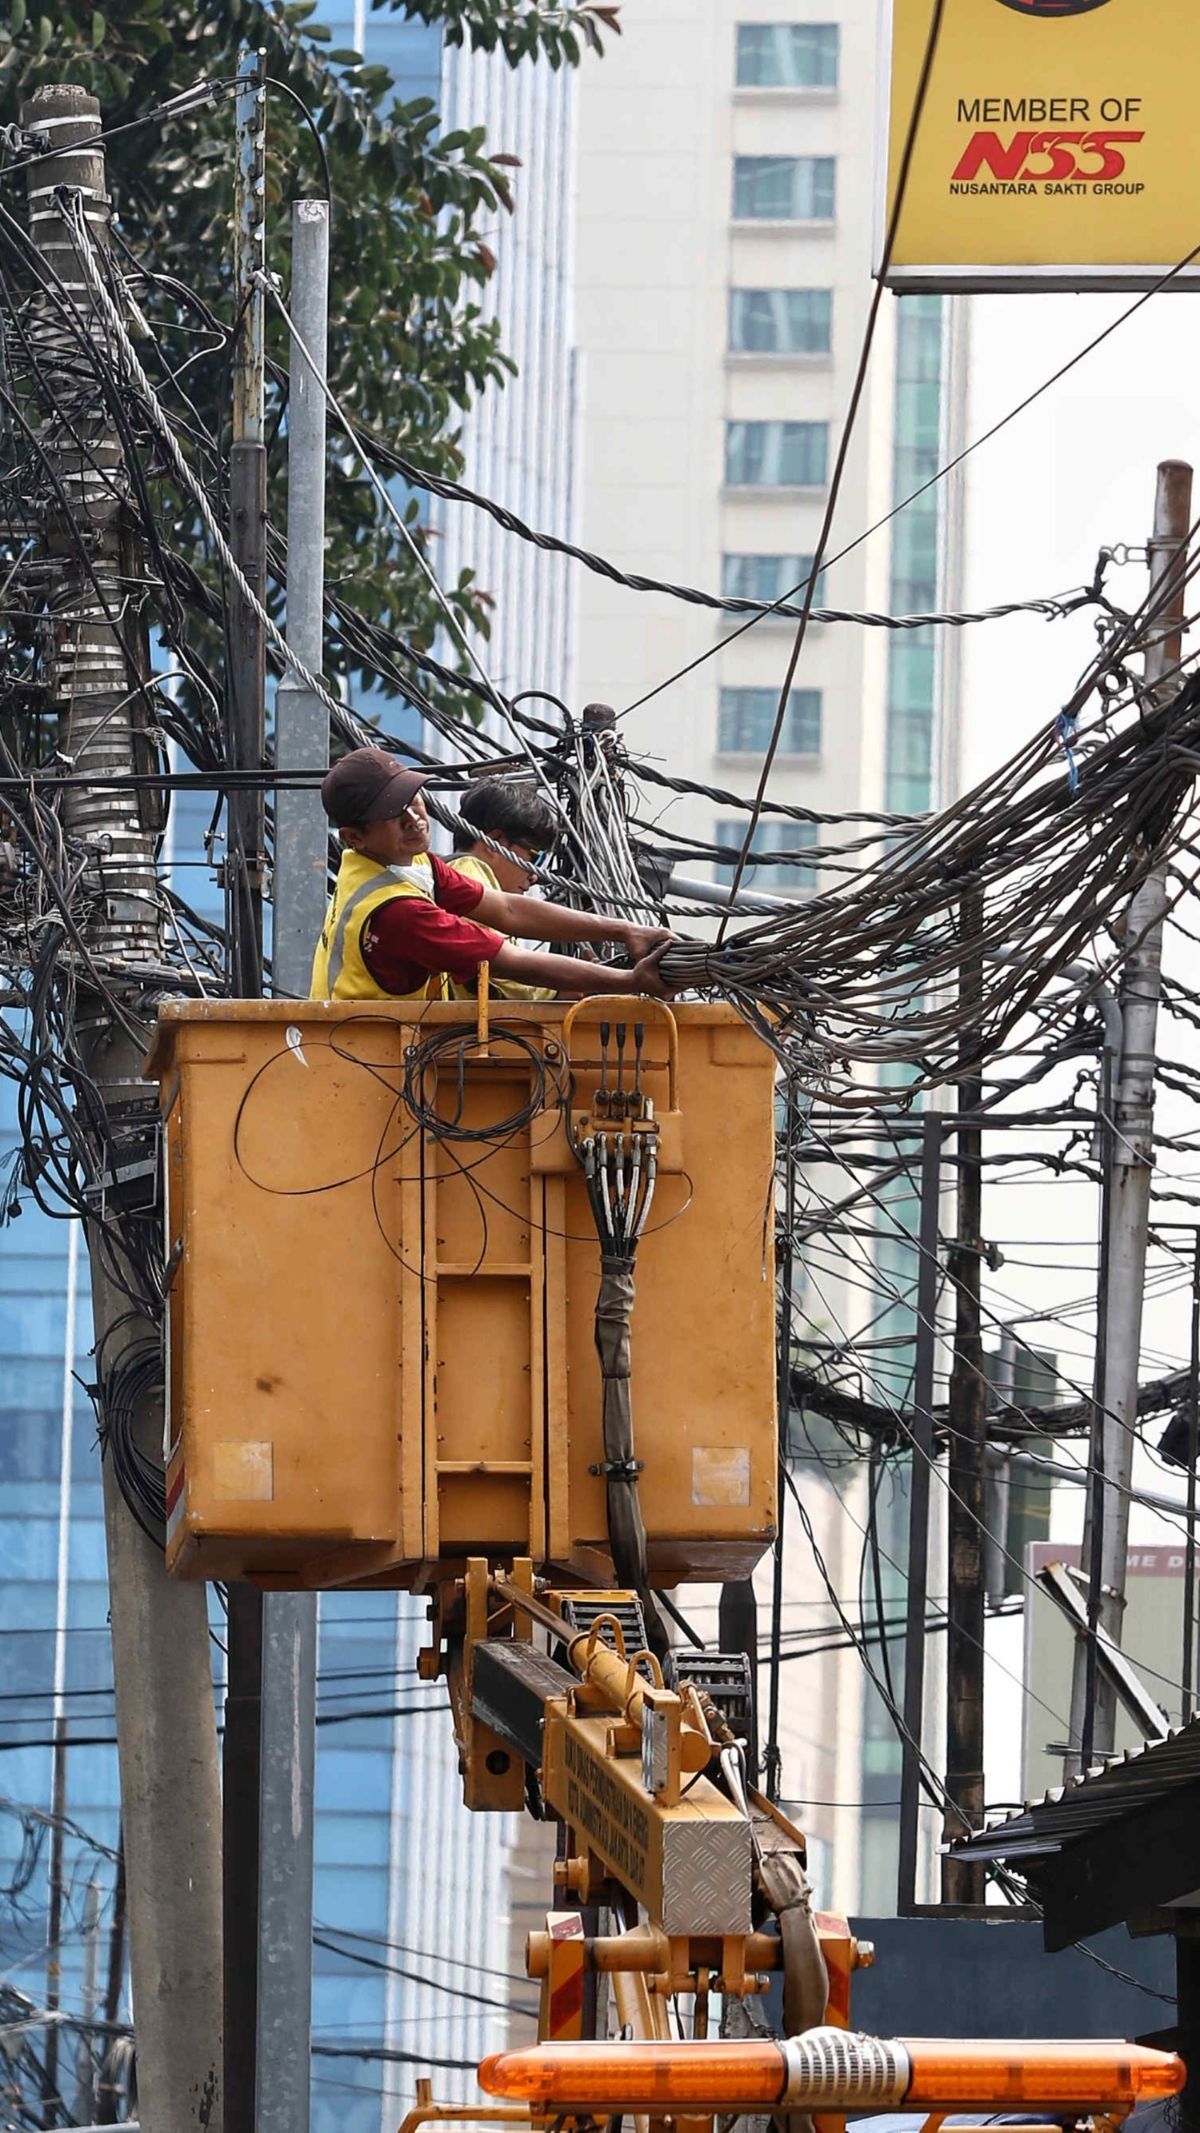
1074	472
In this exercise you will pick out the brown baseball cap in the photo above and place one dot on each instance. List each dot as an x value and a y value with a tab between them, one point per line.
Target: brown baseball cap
368	785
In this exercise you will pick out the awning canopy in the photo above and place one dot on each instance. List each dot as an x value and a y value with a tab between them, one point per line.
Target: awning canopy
1120	1840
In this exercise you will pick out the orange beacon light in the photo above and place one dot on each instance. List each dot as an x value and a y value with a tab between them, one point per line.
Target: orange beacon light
834	2070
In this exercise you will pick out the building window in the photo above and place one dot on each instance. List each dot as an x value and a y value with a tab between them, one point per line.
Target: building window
787	55
769	865
776	455
915	577
768	577
746	720
783	188
780	321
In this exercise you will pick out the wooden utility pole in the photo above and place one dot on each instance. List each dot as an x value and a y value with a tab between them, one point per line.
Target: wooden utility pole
772	1758
1132	1140
245	743
963	1881
167	1749
919	1477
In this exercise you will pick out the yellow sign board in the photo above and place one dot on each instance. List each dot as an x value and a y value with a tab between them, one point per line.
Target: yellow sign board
1058	146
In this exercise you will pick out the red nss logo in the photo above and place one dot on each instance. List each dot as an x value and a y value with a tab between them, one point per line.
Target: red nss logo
1054	7
1039	158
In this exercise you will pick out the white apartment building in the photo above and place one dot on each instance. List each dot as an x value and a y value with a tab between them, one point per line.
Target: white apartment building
517	441
727	220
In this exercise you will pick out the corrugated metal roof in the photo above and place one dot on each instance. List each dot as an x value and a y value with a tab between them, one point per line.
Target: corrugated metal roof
1136	1779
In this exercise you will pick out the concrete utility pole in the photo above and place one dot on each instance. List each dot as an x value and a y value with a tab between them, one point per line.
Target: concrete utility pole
964	1881
245	743
289	1659
166	1731
1131	1140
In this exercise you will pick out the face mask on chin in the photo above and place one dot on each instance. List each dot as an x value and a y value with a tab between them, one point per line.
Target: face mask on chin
412	871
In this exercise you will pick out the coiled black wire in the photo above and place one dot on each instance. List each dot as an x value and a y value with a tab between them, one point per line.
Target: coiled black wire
119	1396
444	1056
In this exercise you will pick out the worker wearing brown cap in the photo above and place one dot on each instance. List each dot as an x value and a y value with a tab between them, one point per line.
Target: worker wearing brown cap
403	925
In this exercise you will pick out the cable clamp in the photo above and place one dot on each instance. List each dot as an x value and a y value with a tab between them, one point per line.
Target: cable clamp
22	140
1125	552
201	93
618	1469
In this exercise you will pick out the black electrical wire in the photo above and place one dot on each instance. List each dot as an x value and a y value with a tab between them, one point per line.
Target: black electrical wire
273	82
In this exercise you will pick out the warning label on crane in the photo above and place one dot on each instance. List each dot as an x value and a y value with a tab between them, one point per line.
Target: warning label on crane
616	1826
1054	146
688	1865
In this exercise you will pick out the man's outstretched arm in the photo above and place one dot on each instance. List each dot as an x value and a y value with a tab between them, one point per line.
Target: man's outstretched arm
533	966
529	919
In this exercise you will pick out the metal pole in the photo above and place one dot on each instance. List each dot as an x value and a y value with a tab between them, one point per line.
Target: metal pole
301	719
107	2087
1132	1138
750	901
1003	1393
85	2105
1193	1451
737	1631
245	744
53	2112
166	1731
245	693
1085	1734
920	1474
964	1881
289	1651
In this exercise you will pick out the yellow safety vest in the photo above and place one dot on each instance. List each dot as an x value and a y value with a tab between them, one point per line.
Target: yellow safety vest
508	988
339	972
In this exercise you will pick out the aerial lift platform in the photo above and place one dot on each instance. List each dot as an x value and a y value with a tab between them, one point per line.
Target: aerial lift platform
405	1351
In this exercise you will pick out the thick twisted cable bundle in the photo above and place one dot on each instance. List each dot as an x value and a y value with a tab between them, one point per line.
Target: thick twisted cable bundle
860	984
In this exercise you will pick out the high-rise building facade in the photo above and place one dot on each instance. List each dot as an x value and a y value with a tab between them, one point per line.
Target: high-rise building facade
411	1944
728	223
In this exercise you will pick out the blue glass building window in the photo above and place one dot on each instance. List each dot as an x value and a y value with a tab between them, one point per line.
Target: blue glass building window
783	188
746	720
764	869
767	455
780	321
768	577
787	55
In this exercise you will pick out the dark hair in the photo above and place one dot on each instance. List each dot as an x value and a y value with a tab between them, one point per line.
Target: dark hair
509	809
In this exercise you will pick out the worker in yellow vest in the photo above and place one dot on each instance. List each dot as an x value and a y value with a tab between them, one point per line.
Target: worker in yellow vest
510	812
403	925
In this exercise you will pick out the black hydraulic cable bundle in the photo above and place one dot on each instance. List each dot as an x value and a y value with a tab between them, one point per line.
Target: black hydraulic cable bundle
620	1176
626	1527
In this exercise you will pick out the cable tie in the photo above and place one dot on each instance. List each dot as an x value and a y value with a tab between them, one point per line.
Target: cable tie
1065	729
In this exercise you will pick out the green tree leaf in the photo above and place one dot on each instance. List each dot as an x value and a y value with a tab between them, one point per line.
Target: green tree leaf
415	216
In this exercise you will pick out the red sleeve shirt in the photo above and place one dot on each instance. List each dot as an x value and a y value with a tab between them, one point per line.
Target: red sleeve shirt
409	937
